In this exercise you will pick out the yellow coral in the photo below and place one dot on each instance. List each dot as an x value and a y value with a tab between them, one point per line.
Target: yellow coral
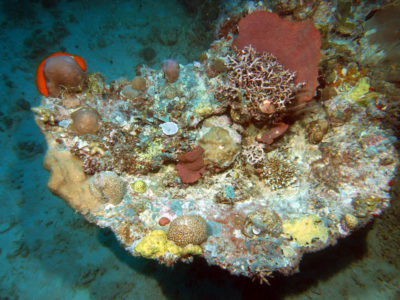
155	244
306	229
203	110
139	186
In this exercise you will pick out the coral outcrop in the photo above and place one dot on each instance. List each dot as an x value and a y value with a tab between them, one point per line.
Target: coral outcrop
205	170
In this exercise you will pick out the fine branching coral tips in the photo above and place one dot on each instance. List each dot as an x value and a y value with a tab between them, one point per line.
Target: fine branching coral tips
60	70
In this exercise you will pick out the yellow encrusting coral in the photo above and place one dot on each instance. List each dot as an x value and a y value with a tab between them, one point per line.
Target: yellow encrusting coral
156	244
306	230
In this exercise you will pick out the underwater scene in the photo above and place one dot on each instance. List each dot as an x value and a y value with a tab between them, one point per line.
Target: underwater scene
198	149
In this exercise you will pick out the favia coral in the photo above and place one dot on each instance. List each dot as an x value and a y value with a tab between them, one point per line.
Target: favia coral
185	230
108	187
191	165
295	45
268	87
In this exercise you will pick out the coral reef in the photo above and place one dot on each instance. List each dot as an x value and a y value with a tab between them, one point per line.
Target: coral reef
225	160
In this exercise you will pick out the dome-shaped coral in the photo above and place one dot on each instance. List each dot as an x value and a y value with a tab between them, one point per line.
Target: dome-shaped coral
60	71
108	187
139	84
185	230
85	121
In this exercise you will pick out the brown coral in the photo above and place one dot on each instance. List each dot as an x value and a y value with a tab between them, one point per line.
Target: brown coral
170	67
85	121
185	230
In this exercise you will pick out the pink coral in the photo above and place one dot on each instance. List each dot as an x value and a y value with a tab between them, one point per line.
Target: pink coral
295	45
191	165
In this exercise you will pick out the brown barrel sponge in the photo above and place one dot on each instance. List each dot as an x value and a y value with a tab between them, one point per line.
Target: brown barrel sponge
85	121
63	72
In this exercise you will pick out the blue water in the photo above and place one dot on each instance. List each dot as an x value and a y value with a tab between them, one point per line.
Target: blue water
49	252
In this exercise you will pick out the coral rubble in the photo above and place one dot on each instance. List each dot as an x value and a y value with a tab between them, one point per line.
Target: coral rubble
227	158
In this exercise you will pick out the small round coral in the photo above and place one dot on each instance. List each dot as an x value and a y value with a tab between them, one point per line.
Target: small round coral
139	84
139	186
63	72
108	187
190	229
85	121
170	67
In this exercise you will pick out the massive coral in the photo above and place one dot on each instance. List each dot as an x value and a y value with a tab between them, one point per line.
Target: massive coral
295	45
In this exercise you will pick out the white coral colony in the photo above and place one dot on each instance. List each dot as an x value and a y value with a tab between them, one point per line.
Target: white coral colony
169	128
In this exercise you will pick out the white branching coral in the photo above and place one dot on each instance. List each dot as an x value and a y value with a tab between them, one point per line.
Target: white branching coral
267	86
254	153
